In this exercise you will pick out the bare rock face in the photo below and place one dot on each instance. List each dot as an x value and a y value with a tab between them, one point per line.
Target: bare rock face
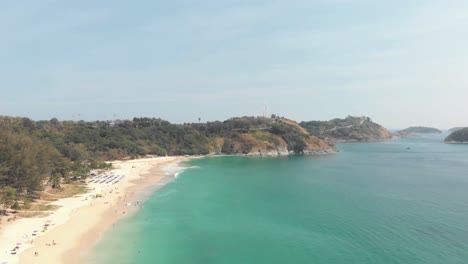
270	137
281	151
286	152
324	151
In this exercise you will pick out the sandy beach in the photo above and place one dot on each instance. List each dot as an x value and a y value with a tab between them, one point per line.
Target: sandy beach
75	227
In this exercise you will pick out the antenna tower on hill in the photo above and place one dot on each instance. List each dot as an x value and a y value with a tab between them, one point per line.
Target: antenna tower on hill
265	110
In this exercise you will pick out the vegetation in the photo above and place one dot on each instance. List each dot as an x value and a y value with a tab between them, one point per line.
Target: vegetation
453	129
459	136
34	154
8	197
412	130
25	162
347	130
67	190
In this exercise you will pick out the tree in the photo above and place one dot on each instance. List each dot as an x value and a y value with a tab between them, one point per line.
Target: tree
228	147
80	171
3	173
8	197
25	162
55	181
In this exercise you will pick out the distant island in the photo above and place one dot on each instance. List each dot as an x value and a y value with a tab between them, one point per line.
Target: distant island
419	130
459	136
349	129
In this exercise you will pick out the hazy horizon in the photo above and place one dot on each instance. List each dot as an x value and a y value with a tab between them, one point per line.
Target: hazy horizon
402	64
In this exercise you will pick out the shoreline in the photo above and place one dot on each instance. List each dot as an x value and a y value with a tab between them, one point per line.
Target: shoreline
149	182
456	142
80	222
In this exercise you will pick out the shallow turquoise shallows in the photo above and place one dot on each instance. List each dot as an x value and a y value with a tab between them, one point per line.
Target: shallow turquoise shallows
392	202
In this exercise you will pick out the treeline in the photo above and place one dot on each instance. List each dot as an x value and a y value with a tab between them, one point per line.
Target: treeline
35	153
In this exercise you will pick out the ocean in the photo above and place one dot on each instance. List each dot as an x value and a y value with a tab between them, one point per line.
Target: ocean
403	201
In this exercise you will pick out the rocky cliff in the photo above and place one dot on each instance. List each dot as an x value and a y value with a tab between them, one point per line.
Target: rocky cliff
270	137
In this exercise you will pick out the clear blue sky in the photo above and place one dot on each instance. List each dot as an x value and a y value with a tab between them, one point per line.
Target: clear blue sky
400	62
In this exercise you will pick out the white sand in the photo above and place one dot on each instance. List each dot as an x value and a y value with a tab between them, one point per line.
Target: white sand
79	222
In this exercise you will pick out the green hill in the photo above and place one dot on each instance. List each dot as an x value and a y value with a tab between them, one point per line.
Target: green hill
261	136
458	137
453	129
349	129
419	130
35	152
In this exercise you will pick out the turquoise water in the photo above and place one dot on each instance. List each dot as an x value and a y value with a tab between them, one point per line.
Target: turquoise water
372	203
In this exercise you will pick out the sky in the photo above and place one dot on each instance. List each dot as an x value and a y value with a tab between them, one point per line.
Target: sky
402	63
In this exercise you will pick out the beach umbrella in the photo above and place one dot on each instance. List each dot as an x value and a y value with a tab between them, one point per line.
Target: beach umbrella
18	243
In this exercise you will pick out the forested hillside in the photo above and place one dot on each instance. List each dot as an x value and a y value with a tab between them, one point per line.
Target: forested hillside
419	129
349	129
459	136
33	153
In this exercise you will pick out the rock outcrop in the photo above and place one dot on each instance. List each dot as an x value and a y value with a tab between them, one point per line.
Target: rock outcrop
271	137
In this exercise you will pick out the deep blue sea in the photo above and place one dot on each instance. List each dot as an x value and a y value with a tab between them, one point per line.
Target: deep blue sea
403	201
